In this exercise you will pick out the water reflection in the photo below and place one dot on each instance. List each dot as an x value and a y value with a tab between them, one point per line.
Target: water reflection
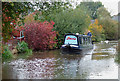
54	65
70	67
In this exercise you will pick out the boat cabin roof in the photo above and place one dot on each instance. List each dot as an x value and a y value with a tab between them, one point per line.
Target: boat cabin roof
79	35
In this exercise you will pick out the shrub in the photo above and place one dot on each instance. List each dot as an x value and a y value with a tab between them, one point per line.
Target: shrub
22	47
39	35
6	53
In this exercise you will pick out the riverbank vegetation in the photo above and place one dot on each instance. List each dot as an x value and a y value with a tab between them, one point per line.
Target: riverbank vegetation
6	53
110	26
44	28
20	48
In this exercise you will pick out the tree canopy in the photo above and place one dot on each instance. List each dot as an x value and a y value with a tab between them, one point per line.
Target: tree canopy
51	7
110	26
11	11
70	21
92	7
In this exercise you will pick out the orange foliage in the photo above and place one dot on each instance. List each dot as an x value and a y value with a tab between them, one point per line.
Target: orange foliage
95	29
30	18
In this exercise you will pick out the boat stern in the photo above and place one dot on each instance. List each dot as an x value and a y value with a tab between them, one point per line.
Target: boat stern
70	49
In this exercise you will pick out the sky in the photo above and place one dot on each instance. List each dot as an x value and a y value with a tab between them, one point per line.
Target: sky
110	5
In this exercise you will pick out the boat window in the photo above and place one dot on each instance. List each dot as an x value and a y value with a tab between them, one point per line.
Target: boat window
84	40
71	39
89	40
80	40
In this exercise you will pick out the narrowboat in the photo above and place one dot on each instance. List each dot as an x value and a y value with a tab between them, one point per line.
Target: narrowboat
76	43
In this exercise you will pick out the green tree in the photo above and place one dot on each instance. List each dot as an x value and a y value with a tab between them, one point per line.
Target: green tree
110	26
72	21
52	7
118	25
92	7
103	13
118	30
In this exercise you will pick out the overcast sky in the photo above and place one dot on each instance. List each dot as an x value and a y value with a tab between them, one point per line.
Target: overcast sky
111	5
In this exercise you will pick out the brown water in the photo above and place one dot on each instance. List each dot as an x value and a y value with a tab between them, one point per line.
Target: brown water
98	64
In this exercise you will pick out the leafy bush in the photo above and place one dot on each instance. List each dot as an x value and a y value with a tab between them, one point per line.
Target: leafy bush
39	35
22	47
6	53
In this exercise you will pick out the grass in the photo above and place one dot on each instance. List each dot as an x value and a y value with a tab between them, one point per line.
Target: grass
6	53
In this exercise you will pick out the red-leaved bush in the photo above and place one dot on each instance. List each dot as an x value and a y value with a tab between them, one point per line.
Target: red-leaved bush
39	35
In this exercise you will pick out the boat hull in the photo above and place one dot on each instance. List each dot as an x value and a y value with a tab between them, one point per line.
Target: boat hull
75	50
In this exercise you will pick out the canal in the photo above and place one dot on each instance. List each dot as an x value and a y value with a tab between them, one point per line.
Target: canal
99	63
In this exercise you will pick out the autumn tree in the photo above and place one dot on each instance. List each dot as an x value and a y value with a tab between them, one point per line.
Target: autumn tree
97	31
11	11
40	36
32	17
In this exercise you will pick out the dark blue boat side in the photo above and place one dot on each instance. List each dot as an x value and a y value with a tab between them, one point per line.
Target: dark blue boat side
76	43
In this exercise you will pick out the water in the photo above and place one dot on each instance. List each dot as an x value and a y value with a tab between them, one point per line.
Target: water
98	64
